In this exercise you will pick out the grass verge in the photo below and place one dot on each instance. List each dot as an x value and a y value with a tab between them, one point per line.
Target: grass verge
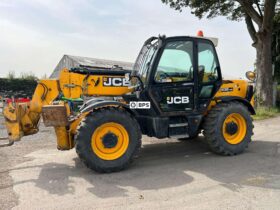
265	113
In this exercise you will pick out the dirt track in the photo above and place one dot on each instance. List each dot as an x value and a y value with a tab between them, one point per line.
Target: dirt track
168	175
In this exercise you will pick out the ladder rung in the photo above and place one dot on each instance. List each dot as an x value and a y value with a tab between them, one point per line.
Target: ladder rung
180	136
178	125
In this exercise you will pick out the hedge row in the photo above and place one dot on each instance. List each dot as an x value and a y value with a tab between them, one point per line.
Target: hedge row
18	88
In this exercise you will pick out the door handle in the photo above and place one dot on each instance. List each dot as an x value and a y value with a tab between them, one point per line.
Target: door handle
186	84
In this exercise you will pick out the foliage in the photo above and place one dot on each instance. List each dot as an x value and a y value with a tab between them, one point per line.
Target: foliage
23	75
261	17
18	87
278	96
28	76
232	9
210	9
277	69
264	113
11	75
44	76
276	47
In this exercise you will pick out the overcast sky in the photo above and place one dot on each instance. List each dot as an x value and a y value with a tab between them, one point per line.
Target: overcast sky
35	34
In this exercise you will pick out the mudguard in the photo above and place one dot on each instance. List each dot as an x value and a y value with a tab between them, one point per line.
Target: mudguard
98	103
239	99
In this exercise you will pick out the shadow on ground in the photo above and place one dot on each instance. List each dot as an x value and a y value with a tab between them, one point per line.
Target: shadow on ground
166	165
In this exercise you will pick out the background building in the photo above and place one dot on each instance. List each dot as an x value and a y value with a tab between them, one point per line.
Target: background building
70	61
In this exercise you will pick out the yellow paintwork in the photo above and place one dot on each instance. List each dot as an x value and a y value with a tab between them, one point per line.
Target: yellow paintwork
239	88
51	89
10	113
87	86
239	136
74	124
63	141
22	118
14	131
110	153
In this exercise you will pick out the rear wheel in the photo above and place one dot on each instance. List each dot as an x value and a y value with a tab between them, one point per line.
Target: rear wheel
108	140
228	128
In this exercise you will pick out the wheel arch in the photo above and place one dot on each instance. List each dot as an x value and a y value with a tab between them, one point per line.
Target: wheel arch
100	103
238	99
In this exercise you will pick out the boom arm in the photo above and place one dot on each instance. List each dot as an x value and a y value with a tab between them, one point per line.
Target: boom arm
22	119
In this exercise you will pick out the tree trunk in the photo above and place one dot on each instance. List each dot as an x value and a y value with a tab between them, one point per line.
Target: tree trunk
264	82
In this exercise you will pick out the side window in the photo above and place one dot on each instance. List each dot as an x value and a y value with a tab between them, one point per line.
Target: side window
207	63
148	56
176	63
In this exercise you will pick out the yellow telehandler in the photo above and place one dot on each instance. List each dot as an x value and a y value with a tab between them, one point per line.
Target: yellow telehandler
175	90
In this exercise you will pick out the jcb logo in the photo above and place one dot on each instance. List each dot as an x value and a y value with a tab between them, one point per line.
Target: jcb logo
178	100
115	81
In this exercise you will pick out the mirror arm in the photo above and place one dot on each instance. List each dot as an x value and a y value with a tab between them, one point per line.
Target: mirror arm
140	81
129	76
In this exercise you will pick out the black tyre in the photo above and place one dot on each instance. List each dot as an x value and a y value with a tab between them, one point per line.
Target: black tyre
108	140
228	128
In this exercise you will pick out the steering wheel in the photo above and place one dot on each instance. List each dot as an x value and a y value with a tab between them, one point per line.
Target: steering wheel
163	75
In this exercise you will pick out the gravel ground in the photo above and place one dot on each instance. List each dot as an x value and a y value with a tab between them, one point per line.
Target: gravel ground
168	175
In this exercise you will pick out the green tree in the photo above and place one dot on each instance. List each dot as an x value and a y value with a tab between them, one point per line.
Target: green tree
259	16
44	76
11	75
28	76
276	47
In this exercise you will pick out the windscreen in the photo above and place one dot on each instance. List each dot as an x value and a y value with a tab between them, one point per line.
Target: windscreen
145	58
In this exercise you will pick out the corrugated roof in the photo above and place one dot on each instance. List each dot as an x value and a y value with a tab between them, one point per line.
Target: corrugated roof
71	61
103	63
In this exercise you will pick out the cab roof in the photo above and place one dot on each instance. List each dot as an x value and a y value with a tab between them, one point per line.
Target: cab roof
214	40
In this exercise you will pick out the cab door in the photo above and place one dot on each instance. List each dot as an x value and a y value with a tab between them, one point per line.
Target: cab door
209	73
172	78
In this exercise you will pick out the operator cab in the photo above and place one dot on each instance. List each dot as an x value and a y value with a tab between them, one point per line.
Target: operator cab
178	75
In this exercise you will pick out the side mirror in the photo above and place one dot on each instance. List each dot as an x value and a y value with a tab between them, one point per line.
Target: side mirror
251	75
134	78
127	76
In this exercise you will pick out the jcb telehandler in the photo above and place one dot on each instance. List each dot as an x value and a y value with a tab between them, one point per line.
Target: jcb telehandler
174	90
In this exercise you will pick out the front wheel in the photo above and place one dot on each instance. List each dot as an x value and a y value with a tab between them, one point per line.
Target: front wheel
108	140
228	128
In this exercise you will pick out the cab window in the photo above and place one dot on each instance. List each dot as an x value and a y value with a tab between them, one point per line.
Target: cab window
176	63
207	63
146	61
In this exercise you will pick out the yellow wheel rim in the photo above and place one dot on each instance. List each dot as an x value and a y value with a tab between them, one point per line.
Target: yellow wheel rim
234	128
110	141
